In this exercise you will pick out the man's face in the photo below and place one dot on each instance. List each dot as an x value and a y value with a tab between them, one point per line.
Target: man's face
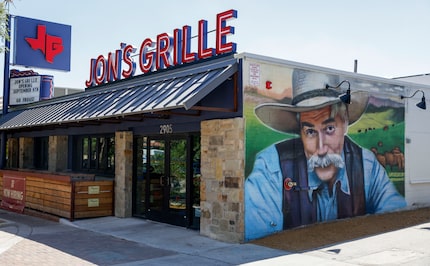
322	135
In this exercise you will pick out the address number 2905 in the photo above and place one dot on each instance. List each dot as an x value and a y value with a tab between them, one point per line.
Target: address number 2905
166	129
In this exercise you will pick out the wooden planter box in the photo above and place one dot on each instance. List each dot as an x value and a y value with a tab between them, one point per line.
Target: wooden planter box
71	196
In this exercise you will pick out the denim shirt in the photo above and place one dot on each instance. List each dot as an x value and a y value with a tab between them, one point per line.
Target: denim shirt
264	193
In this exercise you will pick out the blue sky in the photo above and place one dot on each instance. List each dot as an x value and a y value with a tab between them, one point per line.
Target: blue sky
389	38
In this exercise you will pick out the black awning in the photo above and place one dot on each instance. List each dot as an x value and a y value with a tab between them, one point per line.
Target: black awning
172	89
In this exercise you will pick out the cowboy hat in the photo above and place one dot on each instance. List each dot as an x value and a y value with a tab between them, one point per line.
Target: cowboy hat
309	93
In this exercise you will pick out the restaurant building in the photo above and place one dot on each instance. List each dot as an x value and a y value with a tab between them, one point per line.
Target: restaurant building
176	145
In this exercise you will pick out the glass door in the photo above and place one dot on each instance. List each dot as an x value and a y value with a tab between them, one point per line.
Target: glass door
164	184
158	183
177	178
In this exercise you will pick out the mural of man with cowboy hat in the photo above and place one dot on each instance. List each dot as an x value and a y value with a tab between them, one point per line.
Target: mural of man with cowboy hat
320	176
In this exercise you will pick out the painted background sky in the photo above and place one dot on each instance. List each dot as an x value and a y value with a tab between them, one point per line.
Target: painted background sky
389	38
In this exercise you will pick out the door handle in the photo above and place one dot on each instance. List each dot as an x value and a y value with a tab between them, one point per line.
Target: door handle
164	180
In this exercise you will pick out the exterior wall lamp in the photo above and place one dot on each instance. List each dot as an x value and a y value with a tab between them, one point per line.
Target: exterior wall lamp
421	104
345	97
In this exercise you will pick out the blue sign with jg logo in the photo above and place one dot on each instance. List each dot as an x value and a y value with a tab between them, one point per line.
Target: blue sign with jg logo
42	44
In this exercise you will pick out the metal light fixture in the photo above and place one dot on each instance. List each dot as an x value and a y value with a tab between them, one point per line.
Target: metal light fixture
346	97
421	104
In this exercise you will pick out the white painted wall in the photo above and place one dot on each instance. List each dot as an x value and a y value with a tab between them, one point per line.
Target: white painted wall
417	146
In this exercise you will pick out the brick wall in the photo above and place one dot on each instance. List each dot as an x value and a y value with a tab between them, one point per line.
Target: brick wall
221	190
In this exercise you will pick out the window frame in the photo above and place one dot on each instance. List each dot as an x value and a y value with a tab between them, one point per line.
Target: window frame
95	154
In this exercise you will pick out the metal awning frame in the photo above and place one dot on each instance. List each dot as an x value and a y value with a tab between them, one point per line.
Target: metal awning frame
189	107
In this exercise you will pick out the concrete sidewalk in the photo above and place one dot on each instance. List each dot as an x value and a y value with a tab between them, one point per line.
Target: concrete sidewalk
409	246
26	240
190	247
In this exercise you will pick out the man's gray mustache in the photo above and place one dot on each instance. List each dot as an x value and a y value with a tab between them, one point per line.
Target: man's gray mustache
324	161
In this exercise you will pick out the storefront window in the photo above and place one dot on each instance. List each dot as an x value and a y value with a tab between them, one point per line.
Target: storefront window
110	153
85	155
97	154
12	153
93	152
41	153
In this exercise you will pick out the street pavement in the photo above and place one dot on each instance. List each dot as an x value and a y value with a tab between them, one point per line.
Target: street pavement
28	240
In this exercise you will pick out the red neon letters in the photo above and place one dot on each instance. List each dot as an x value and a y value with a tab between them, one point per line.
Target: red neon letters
165	52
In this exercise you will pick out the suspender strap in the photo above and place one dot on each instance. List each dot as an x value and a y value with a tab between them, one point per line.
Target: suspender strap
355	171
297	208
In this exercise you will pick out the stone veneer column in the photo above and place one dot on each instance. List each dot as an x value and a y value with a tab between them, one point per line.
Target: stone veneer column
58	152
26	153
222	180
123	173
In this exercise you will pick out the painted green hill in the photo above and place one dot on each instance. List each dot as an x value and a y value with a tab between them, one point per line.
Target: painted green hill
377	120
